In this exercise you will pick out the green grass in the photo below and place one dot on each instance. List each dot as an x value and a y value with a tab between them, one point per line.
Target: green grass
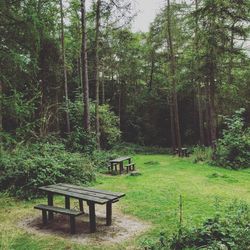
152	197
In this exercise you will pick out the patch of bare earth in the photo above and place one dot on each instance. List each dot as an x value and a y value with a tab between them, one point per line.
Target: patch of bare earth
123	227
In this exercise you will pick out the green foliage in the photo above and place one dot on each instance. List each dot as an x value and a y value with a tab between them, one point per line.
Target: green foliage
233	149
227	230
101	159
80	141
109	129
201	154
129	148
28	167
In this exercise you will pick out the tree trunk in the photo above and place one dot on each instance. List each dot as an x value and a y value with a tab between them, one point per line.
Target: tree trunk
212	110
86	115
200	112
96	73
173	79
64	70
103	91
172	124
1	112
230	65
151	71
199	93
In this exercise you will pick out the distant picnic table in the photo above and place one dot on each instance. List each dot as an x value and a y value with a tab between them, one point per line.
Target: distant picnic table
117	165
90	195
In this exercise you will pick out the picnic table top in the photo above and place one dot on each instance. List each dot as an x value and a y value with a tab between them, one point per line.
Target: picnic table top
120	159
83	193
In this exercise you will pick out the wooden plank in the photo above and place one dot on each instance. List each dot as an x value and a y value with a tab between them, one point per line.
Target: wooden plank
120	159
109	214
115	194
81	205
92	217
72	222
58	210
67	202
74	195
45	217
84	192
129	165
50	203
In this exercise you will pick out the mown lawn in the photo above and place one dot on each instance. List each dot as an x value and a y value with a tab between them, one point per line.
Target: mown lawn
152	197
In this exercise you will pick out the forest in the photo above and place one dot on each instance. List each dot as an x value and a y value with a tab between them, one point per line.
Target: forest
79	87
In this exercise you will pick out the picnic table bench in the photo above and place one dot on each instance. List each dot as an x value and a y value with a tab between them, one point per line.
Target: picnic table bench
119	163
182	152
90	195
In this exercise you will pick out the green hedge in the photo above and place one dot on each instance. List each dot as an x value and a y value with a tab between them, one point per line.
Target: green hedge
26	168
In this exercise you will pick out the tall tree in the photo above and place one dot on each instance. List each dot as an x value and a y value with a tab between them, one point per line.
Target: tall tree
1	112
96	71
174	100
64	69
197	80
85	78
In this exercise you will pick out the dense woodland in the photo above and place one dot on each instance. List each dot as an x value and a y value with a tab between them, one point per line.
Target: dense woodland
79	87
67	70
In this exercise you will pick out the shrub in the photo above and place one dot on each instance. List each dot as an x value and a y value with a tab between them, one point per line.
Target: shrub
109	127
233	149
80	141
129	148
101	159
201	154
26	168
227	230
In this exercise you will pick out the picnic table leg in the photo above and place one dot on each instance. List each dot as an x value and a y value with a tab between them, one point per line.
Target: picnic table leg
50	203
109	213
129	161
72	224
116	168
92	217
67	202
121	167
45	218
81	205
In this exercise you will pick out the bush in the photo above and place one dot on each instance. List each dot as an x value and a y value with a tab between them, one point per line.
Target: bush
201	154
233	149
26	168
109	127
101	159
227	230
80	141
129	148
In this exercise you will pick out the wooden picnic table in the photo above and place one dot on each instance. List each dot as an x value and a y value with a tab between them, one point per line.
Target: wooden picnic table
120	162
90	195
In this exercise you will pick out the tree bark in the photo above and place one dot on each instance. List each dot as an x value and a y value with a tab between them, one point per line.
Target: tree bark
173	79
96	73
64	70
173	137
1	112
231	62
199	92
200	112
151	71
103	91
86	115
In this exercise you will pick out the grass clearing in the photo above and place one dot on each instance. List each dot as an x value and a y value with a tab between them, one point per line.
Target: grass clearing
152	197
